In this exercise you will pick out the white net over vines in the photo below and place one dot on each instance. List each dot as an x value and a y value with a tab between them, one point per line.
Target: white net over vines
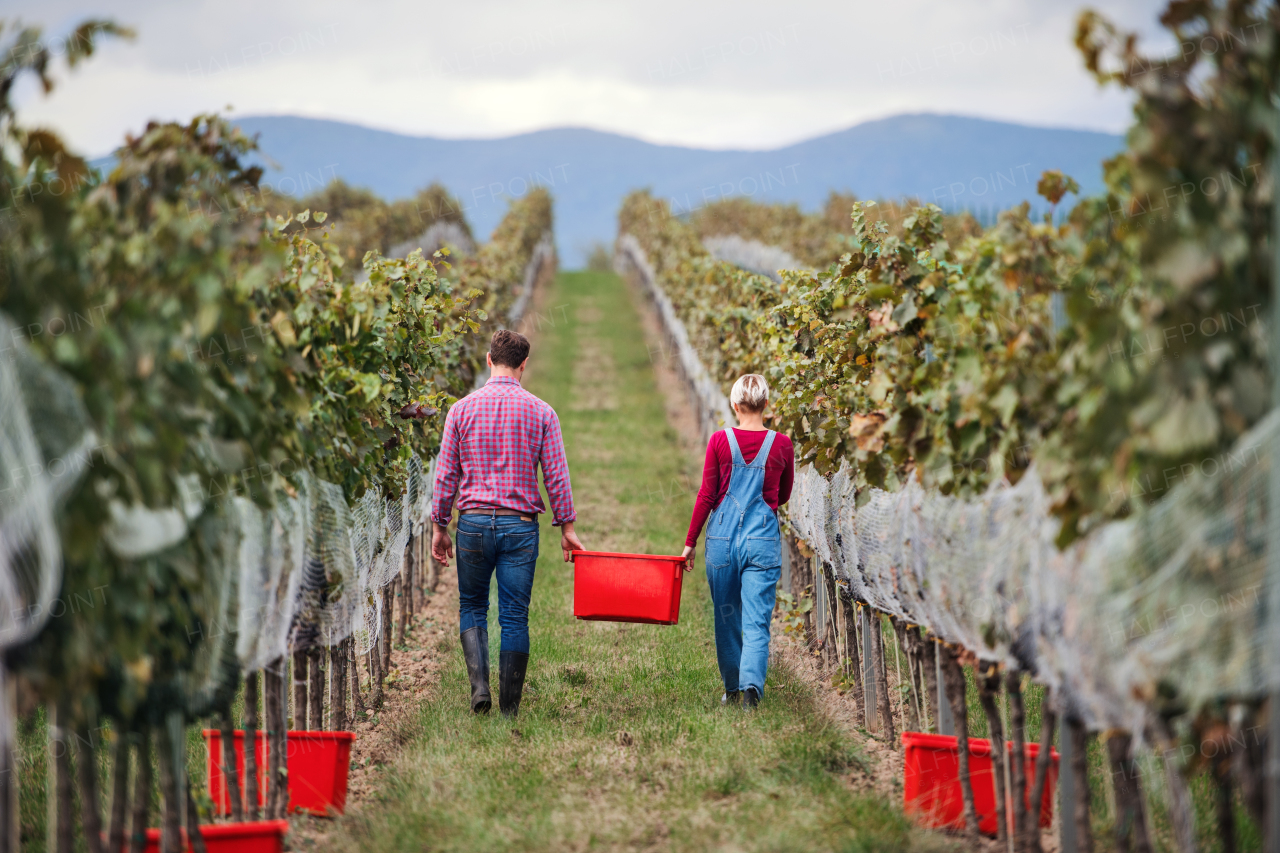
312	567
710	403
306	570
1169	605
45	445
751	255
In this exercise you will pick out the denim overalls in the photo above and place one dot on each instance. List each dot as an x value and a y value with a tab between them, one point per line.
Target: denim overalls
744	562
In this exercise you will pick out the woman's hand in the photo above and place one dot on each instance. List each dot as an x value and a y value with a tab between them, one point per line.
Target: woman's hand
687	556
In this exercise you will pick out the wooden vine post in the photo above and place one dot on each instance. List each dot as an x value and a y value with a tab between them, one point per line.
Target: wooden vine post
410	573
273	689
1224	798
338	686
433	574
194	835
10	817
384	639
315	689
251	746
1017	756
172	801
117	827
353	664
1131	822
230	776
830	649
955	684
875	627
910	699
802	571
929	670
87	776
918	684
374	661
60	824
855	660
299	676
987	676
141	793
1048	720
1079	770
10	829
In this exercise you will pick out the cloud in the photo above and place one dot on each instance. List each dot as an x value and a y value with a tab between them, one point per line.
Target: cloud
741	75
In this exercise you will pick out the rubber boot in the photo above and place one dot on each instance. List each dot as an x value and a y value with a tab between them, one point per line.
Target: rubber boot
475	649
511	669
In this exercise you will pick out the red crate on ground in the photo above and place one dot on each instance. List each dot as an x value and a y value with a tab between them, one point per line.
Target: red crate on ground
318	767
931	781
266	836
627	587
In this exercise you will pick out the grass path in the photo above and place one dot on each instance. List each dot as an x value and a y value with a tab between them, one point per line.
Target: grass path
621	741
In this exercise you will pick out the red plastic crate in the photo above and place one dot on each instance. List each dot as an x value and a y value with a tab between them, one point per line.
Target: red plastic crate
266	836
931	781
318	767
627	587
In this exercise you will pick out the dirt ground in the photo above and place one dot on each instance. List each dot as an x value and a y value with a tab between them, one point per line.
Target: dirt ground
415	668
790	653
416	665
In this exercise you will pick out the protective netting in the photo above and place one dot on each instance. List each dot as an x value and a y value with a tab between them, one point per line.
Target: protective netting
1169	605
271	555
306	570
311	568
1169	602
751	255
45	445
437	236
710	403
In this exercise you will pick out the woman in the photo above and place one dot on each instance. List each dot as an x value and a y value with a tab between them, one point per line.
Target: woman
747	475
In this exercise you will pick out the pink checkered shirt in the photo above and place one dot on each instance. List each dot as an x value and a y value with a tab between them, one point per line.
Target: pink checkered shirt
494	440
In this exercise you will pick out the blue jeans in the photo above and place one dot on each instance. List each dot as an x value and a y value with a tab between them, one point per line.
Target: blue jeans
744	597
509	546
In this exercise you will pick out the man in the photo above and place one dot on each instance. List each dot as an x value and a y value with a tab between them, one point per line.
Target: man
494	440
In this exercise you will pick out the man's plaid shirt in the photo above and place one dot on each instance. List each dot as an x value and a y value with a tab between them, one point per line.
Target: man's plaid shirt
494	439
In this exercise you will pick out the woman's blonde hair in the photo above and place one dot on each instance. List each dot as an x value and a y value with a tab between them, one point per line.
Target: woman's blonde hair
750	393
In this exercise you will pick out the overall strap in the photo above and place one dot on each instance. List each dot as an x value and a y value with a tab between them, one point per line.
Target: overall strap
763	456
734	451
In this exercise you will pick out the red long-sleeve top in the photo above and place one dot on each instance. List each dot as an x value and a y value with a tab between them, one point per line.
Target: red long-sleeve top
779	473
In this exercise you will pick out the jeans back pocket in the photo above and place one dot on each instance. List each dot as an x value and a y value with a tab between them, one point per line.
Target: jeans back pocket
764	553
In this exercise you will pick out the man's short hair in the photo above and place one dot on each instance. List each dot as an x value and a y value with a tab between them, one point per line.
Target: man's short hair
508	348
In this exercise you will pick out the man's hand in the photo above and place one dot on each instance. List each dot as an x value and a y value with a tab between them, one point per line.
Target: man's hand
441	544
687	556
569	541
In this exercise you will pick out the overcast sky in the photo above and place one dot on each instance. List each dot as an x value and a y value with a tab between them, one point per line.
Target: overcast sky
720	75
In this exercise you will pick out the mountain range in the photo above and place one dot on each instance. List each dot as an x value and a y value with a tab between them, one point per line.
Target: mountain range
955	161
